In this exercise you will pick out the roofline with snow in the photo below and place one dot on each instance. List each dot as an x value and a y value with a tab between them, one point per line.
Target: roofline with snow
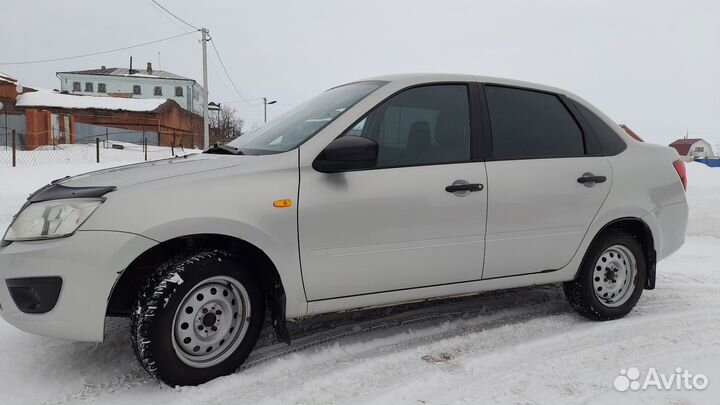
179	78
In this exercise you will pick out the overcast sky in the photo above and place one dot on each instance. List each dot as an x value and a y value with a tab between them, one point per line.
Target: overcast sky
653	65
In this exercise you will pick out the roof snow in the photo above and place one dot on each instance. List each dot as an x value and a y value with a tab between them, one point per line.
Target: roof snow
124	72
45	98
6	78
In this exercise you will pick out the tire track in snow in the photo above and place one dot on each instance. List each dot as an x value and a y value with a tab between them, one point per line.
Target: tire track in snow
387	336
349	362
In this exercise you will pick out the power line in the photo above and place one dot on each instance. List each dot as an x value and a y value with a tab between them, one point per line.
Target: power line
173	14
165	15
228	75
31	62
214	48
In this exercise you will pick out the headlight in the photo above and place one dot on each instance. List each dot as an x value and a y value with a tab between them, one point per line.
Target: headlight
51	219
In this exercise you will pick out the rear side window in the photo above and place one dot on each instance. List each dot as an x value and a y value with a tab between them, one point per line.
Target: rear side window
610	142
530	124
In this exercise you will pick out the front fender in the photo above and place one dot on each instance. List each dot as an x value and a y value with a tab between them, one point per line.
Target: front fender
282	249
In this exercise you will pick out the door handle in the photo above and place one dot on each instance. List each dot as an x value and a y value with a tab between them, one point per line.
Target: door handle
456	187
589	179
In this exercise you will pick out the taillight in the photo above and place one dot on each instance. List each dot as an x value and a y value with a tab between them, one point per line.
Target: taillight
679	166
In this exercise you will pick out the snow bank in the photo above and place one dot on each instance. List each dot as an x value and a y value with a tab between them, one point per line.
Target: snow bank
703	195
45	98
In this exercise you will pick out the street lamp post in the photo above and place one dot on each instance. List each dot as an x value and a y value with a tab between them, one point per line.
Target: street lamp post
216	107
265	104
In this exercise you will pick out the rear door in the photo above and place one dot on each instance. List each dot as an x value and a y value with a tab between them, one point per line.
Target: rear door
541	199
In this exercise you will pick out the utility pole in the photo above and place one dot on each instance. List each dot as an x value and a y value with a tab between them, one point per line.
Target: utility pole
206	118
265	104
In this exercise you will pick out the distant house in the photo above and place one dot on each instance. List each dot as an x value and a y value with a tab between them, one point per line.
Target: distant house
693	148
44	117
133	83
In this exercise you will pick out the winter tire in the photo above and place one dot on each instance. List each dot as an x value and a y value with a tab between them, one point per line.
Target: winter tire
611	278
197	318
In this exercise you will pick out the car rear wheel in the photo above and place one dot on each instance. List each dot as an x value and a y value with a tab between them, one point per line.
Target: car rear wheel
611	279
197	318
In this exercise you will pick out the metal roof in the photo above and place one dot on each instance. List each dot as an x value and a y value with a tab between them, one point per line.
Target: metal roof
683	145
124	72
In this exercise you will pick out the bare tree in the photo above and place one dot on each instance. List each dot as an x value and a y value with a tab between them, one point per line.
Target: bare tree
225	125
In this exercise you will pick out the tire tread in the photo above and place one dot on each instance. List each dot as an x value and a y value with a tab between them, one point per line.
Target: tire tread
158	288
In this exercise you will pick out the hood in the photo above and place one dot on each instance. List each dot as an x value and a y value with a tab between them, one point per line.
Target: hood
123	176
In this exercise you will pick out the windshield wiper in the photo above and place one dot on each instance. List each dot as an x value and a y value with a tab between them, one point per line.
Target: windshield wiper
223	150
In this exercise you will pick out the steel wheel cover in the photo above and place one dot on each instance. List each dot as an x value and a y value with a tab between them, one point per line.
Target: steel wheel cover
615	276
211	321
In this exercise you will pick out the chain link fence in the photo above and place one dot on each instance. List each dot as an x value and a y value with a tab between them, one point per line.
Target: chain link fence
92	149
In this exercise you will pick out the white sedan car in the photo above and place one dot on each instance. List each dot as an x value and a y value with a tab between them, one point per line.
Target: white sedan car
376	192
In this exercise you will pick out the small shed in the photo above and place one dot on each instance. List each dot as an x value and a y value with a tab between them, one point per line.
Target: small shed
693	148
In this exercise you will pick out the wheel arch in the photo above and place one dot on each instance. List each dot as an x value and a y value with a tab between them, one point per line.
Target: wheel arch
641	230
131	280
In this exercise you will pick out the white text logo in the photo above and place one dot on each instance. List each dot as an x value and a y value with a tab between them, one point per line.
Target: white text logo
630	379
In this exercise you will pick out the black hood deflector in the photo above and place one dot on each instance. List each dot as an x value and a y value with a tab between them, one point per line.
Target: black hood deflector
56	191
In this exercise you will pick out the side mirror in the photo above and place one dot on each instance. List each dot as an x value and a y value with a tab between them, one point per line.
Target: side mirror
347	153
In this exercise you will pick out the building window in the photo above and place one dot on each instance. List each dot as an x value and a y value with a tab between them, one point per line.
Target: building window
101	88
76	86
89	87
136	90
178	91
157	91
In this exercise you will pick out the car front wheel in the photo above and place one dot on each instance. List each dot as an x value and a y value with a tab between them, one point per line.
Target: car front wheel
197	318
611	279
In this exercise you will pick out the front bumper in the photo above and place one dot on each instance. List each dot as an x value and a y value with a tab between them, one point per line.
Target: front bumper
88	263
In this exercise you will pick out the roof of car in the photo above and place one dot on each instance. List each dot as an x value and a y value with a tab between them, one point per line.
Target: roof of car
411	78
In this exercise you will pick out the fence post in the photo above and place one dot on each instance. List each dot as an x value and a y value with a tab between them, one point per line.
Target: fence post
145	147
13	148
107	140
172	145
97	150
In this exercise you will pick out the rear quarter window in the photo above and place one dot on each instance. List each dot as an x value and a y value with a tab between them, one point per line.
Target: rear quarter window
610	142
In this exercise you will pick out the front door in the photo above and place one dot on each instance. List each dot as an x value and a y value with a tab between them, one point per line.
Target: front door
401	225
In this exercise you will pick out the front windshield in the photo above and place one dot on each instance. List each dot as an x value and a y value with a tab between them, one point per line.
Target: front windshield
302	122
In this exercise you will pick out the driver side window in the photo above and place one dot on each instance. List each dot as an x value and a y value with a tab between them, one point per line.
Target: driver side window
420	126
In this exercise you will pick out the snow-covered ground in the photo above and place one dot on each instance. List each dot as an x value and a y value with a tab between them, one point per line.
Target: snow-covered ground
78	154
519	346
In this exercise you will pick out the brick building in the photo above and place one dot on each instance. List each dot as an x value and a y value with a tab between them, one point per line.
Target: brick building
43	117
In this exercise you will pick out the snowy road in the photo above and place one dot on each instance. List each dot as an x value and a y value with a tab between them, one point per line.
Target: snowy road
519	346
